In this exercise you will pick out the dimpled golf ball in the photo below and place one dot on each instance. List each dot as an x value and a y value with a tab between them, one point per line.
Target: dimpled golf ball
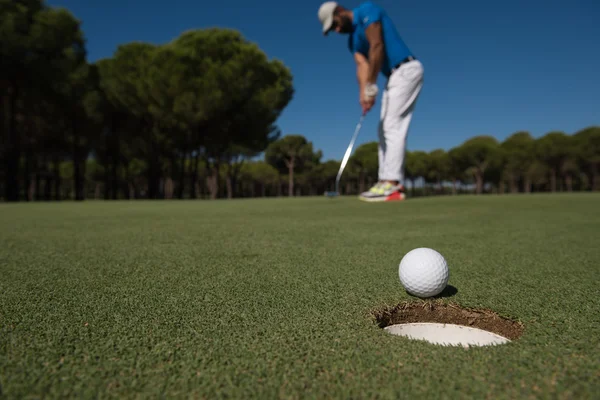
423	272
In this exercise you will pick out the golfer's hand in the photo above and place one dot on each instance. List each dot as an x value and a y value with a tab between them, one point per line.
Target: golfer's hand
366	102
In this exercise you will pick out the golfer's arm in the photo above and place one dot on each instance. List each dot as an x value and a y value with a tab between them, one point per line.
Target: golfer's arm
373	33
362	70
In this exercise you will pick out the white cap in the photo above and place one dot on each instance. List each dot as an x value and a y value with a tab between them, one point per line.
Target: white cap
326	14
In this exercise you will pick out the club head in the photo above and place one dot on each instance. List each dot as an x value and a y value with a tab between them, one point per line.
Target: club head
331	194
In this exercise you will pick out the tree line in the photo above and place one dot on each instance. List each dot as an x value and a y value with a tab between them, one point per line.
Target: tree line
196	118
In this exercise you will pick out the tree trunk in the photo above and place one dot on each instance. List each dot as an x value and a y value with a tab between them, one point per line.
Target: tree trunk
454	184
153	178
198	190
479	181
169	188
213	181
38	176
31	190
77	181
263	190
82	185
527	185
235	174
112	145
57	182
114	171
114	178
78	178
569	182
48	184
553	180
107	179
12	146
595	178
27	174
216	181
124	187
29	160
290	165
513	185
38	184
181	187
361	184
229	185
194	176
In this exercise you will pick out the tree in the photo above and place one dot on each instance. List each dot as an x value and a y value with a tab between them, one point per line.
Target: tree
478	153
587	146
228	95
415	167
324	174
124	80
569	170
537	174
365	162
438	167
291	153
519	155
16	23
456	168
554	149
84	122
38	46
259	173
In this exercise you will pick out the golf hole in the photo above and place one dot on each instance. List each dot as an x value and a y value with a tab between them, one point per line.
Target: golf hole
447	324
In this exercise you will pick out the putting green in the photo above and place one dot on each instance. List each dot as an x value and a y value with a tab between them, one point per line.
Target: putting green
275	298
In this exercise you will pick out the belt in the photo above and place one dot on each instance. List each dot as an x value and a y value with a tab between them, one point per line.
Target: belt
407	59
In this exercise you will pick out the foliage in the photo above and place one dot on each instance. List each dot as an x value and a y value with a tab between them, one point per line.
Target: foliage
518	149
292	154
478	155
181	118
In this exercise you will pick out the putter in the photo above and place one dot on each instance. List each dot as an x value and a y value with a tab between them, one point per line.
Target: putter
345	159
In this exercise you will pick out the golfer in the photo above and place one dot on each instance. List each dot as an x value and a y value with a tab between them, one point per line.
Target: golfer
377	47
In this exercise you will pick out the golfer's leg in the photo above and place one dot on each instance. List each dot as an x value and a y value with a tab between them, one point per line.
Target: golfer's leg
397	143
403	91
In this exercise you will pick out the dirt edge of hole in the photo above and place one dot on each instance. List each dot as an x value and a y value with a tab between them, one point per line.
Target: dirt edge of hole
447	313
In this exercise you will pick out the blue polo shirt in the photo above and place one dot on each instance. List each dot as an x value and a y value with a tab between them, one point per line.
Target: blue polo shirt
394	48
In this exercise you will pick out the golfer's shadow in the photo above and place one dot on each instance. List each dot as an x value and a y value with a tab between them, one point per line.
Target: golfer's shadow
448	291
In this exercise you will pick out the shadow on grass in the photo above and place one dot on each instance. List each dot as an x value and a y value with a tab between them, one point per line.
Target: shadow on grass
449	291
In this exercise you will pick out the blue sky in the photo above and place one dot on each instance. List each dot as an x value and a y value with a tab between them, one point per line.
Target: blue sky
491	67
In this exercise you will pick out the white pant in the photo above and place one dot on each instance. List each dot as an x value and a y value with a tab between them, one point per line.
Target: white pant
397	106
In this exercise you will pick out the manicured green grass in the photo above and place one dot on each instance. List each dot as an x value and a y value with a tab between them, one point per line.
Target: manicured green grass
273	298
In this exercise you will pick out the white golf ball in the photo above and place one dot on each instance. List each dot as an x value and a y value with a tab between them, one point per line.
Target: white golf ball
423	272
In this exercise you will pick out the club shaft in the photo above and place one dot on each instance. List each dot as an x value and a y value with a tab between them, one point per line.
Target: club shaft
348	152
